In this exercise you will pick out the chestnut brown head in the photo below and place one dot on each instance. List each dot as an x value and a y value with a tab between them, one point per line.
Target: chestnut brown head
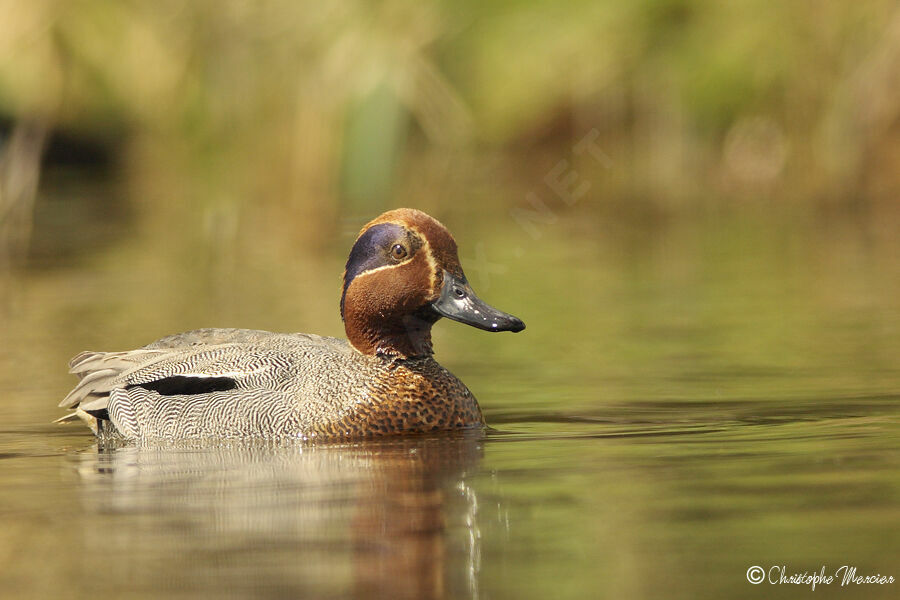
403	274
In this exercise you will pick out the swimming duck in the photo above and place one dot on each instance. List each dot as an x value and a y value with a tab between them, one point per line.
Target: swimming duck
403	274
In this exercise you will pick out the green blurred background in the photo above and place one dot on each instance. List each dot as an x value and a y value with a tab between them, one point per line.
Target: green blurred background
250	115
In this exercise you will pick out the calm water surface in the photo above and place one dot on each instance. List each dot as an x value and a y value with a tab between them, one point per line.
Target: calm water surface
687	402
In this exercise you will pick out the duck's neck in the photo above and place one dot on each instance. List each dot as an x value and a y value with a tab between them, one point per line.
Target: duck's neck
408	336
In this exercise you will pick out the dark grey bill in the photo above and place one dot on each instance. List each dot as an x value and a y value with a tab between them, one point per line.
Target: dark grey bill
459	302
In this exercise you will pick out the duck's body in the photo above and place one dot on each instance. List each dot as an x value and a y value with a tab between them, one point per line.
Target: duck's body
249	383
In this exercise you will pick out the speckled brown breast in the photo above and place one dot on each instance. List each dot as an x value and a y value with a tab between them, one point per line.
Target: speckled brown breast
411	396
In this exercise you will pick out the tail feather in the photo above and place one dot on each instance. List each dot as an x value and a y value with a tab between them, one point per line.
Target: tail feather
94	383
99	372
86	362
67	418
81	357
89	419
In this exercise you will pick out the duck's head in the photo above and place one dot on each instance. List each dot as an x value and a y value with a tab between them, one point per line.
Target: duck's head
403	275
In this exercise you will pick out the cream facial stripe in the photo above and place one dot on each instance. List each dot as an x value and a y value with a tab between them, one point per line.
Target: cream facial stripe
381	268
429	256
367	253
426	246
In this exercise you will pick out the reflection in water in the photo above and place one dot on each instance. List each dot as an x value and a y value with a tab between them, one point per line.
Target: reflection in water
393	519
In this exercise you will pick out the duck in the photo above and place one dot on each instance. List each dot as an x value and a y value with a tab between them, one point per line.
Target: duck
403	274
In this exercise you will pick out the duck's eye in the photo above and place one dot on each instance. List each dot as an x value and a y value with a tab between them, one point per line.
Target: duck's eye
398	252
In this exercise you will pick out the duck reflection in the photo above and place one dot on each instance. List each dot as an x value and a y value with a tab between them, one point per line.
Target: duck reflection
387	519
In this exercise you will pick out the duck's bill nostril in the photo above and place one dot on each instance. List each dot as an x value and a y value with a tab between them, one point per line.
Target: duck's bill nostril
459	302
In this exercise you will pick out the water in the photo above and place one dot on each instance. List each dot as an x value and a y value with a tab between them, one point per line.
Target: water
690	399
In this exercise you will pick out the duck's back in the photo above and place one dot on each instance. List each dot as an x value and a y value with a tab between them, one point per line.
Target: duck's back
240	383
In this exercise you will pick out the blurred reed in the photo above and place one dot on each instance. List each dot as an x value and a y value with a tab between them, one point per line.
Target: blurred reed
20	160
